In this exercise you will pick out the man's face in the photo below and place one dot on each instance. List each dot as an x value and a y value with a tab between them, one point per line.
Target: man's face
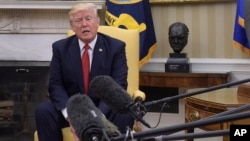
85	25
178	38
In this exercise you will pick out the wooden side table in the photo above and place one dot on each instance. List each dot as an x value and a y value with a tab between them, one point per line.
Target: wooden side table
211	103
182	80
170	84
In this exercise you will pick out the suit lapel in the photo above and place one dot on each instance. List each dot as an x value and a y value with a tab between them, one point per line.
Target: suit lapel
74	52
98	56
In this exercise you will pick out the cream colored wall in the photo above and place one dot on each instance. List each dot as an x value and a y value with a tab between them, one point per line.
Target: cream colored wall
211	28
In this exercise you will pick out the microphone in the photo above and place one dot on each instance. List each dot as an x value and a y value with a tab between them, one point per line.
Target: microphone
88	121
110	128
117	98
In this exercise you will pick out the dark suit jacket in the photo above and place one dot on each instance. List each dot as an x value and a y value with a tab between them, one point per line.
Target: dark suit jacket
65	78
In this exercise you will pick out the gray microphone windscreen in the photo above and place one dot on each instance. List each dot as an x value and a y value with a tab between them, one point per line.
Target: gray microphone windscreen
83	114
111	93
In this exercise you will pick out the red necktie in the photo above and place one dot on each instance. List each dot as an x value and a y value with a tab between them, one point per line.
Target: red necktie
85	68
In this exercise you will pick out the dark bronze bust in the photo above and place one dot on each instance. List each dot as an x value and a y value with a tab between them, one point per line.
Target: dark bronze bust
178	36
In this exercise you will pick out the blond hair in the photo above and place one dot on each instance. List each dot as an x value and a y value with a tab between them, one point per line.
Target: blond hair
82	6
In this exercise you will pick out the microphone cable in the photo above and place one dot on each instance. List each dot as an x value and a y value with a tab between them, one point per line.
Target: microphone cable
160	115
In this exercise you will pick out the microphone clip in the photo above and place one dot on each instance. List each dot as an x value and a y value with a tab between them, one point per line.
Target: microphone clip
137	111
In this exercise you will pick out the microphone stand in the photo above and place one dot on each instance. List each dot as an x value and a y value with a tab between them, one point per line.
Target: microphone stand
146	104
236	110
201	135
138	114
210	120
176	128
188	136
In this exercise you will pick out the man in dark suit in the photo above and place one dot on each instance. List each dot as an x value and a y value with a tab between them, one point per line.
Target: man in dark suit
67	76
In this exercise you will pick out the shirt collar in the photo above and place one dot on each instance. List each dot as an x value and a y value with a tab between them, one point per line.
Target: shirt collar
91	44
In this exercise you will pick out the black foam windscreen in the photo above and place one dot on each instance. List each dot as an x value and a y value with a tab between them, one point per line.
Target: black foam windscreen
111	93
83	114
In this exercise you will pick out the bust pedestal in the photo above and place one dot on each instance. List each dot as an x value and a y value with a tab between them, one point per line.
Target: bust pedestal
177	62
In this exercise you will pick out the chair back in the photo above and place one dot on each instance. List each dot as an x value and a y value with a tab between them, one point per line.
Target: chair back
131	38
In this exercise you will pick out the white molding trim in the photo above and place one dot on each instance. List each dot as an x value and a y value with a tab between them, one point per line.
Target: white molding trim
28	28
37	16
202	65
45	4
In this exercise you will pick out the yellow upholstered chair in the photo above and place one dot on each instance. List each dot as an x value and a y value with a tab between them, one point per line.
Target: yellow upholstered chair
131	38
